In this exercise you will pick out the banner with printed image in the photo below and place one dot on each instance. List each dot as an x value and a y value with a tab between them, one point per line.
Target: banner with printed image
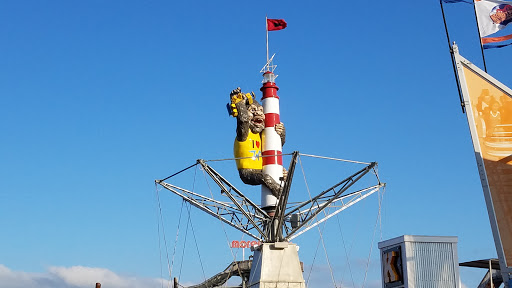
489	110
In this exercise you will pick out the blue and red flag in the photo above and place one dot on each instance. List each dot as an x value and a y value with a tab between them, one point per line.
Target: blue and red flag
493	16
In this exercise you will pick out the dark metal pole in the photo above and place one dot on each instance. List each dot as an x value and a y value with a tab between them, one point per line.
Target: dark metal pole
451	56
283	199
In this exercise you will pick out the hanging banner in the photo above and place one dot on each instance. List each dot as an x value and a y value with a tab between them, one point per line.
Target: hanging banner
489	110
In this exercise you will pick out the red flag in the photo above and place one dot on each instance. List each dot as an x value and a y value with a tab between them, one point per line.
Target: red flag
275	24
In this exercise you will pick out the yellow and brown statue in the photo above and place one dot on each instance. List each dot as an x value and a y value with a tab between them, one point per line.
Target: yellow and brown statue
247	148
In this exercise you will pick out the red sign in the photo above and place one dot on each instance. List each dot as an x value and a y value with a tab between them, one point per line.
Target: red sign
244	244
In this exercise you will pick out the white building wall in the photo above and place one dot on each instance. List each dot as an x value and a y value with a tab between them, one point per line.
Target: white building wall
427	261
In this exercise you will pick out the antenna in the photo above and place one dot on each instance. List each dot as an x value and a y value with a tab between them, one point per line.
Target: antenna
269	67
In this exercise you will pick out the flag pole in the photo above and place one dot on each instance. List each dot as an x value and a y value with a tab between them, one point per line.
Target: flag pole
451	56
479	38
266	28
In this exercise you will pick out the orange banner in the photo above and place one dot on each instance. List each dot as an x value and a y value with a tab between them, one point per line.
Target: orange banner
491	108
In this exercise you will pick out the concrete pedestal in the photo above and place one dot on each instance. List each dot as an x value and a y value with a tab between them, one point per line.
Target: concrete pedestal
276	265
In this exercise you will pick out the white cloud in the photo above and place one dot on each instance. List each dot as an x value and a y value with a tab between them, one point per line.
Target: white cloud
13	279
73	277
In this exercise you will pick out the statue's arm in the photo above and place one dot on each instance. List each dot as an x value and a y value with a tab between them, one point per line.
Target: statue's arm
242	121
281	131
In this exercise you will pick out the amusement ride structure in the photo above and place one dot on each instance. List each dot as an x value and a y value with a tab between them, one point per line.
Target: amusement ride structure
275	222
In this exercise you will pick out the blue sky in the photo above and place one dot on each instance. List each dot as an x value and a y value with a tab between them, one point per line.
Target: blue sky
100	98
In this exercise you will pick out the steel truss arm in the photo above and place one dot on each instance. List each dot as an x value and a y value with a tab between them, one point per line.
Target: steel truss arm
338	205
242	213
330	198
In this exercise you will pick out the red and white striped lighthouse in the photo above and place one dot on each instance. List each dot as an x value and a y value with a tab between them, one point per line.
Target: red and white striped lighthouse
272	146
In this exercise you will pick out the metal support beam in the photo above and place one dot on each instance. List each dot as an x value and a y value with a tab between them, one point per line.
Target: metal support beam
244	215
316	203
283	199
241	213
